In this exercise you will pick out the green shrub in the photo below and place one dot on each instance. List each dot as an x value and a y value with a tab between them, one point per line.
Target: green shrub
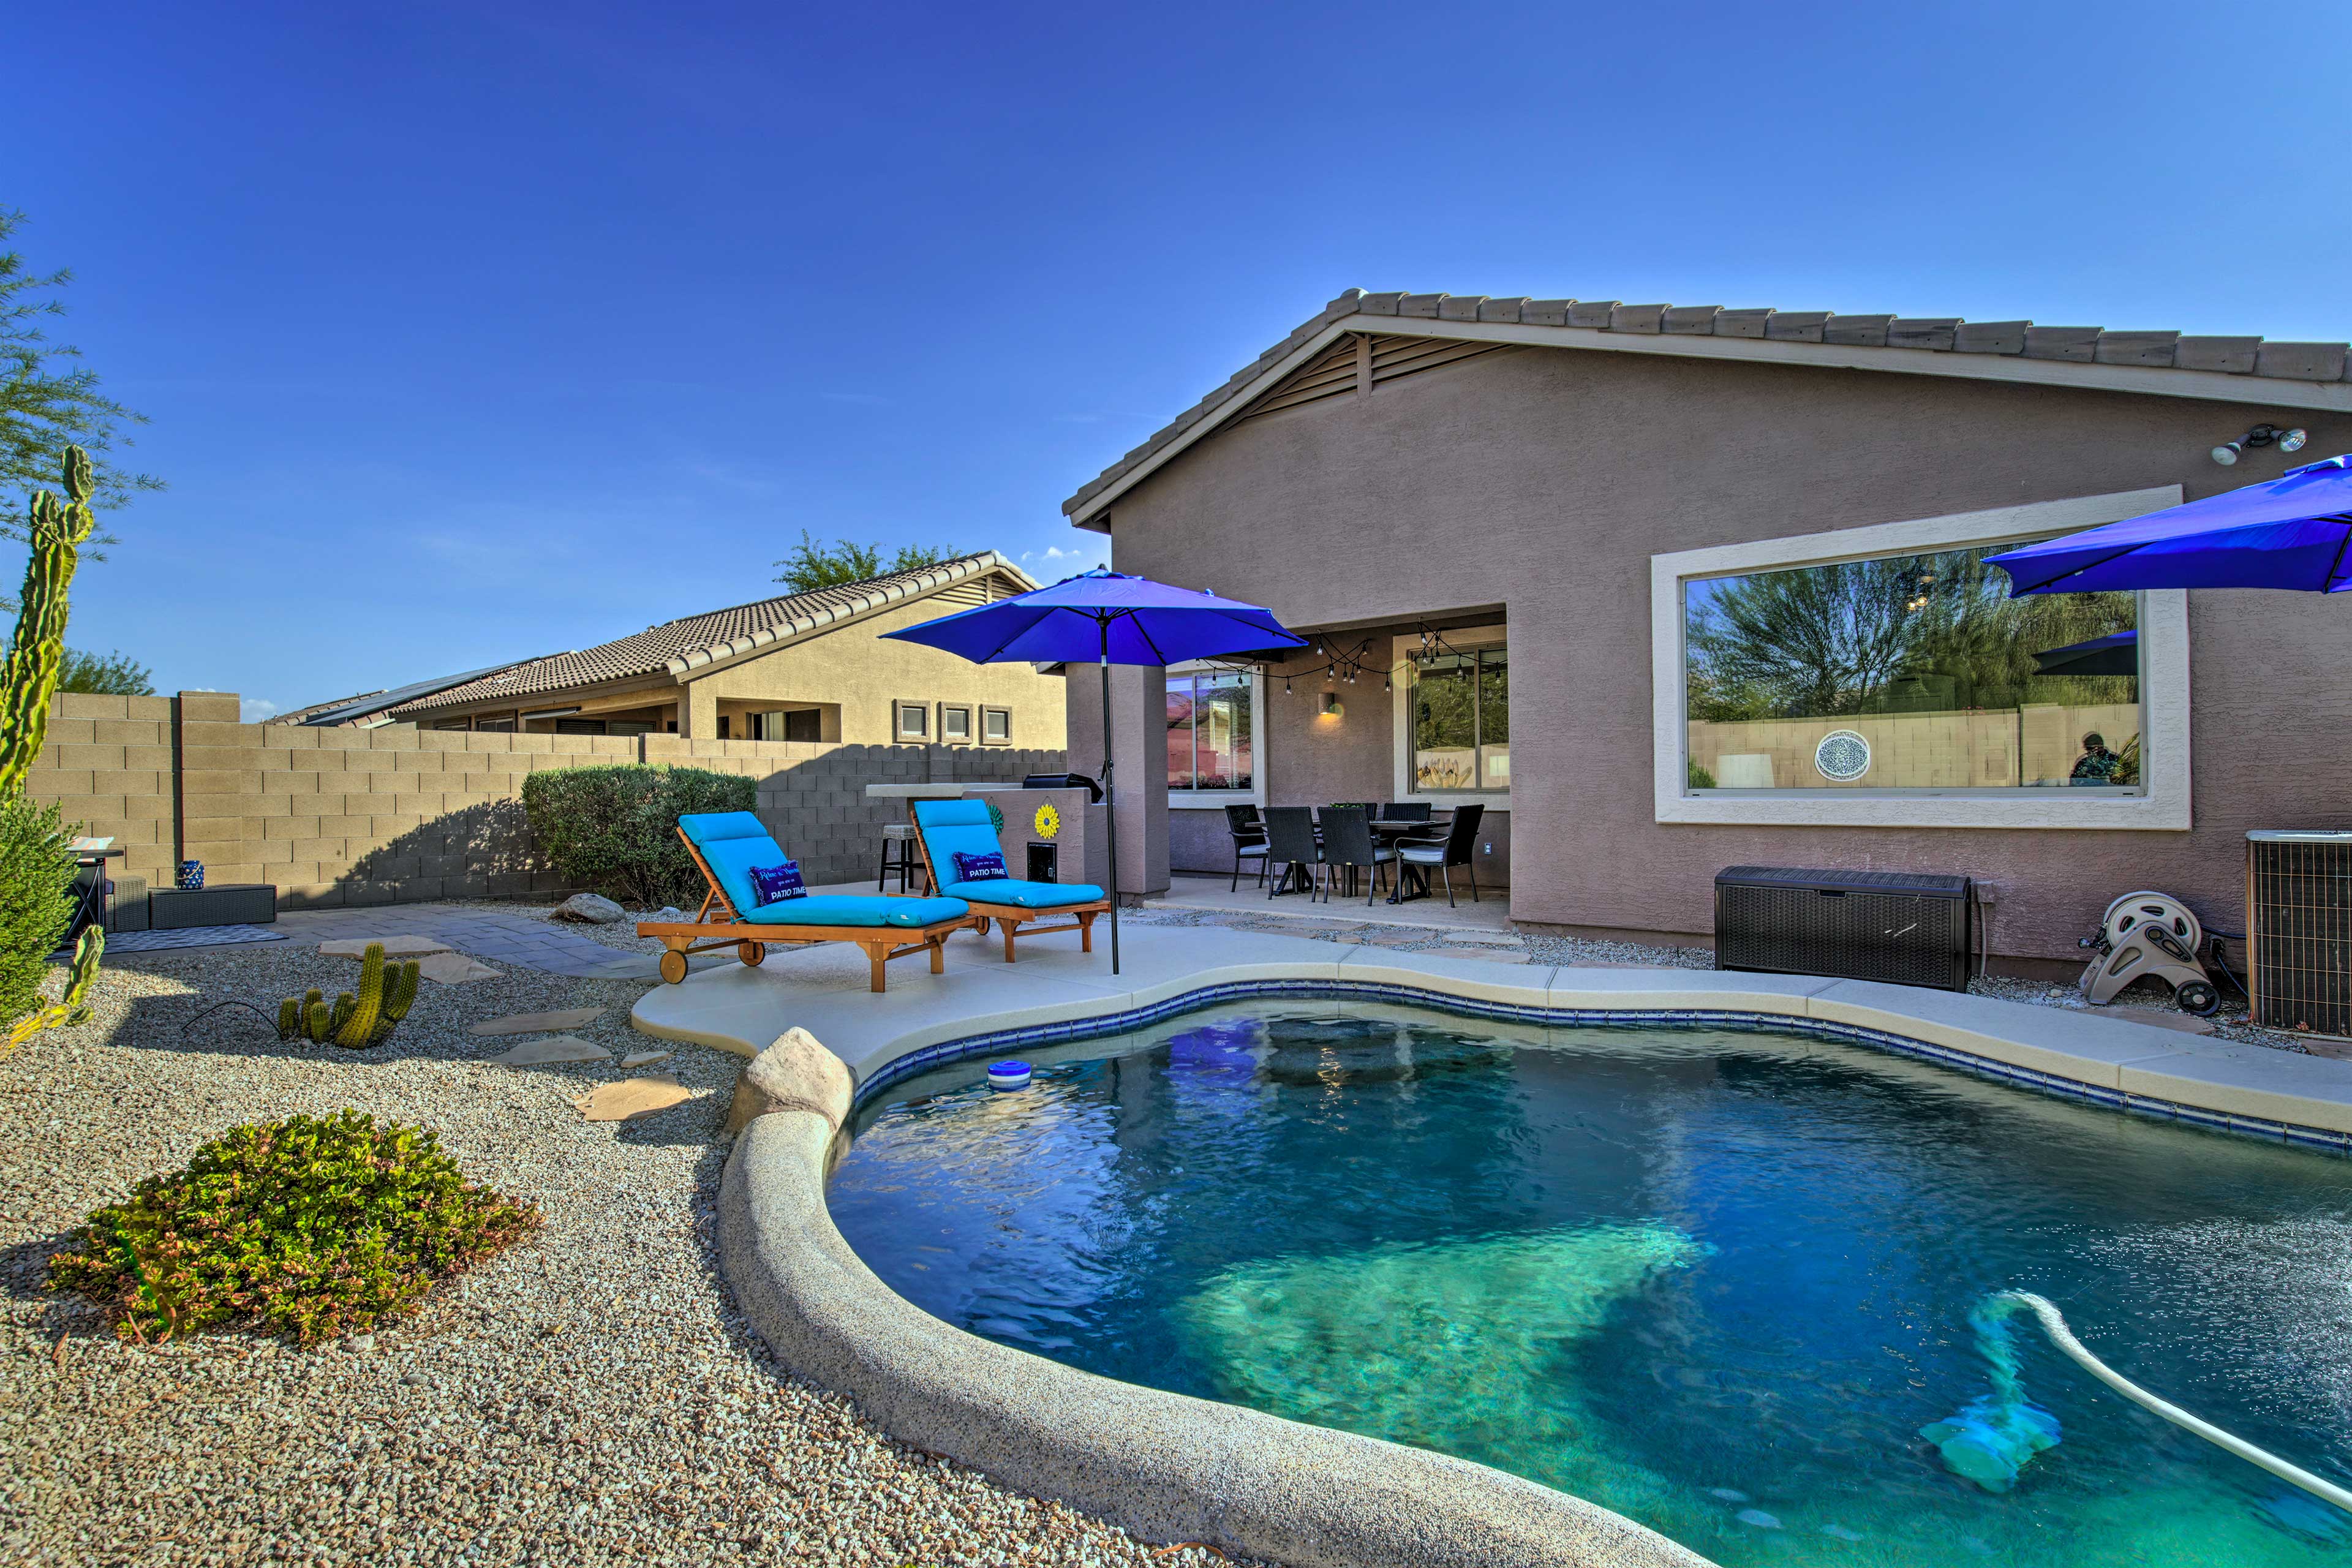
1700	778
35	869
311	1227
613	830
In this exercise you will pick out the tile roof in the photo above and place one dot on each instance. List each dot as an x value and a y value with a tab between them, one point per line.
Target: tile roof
2245	356
691	641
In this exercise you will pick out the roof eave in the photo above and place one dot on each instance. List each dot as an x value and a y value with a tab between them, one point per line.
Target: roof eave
961	570
1343	315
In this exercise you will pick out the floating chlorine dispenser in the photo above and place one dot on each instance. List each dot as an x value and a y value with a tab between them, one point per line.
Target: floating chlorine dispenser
1994	1435
1008	1075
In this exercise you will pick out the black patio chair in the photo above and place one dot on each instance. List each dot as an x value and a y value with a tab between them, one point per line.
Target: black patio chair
1249	842
1348	841
1461	839
1400	811
1290	844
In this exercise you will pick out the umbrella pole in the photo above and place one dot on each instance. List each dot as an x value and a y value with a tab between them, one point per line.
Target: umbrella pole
1110	798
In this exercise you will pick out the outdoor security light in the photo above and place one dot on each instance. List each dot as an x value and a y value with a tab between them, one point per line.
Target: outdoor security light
2265	434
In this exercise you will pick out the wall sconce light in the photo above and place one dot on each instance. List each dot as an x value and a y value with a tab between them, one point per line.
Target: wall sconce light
2285	441
1330	705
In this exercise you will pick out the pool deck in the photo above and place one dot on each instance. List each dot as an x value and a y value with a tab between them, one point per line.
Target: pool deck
991	1005
1171	1469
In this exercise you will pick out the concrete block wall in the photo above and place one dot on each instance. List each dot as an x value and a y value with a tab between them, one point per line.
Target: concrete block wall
396	814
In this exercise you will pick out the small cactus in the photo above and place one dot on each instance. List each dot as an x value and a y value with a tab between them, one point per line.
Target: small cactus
354	1020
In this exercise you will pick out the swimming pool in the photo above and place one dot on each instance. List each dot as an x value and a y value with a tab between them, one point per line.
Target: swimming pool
1715	1281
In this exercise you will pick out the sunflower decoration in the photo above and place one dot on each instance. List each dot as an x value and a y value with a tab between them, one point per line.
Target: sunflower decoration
1049	821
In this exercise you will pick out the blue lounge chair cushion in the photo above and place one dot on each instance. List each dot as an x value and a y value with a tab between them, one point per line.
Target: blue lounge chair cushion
1025	895
953	827
856	910
732	842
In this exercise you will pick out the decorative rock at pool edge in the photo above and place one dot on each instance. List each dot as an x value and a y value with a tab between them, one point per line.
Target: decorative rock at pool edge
796	1073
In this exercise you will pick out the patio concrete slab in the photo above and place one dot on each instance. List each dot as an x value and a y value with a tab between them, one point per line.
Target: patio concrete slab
2082	1047
2249	1084
1522	984
1491	912
745	1010
1633	988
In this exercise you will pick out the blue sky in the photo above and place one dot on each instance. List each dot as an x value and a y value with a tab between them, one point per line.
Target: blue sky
475	331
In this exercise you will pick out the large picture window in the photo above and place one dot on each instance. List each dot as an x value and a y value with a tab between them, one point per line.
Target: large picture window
1908	672
1209	741
1460	707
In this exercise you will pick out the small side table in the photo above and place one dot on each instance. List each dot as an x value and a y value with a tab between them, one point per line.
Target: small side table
91	889
224	904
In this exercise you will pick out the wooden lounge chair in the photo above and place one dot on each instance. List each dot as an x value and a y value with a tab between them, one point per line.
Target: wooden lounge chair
944	826
727	843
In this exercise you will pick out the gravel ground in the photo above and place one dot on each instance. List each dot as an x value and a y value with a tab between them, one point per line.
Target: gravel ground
591	1396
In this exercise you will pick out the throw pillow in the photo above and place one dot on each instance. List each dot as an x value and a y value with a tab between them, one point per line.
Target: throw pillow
984	867
773	884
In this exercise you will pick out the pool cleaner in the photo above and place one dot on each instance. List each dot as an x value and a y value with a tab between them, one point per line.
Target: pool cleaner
1994	1435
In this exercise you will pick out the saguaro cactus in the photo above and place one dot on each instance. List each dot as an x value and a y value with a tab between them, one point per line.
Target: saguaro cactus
365	1018
29	678
57	529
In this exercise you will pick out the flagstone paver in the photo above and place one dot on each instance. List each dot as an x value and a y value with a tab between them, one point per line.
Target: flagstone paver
535	1023
562	1048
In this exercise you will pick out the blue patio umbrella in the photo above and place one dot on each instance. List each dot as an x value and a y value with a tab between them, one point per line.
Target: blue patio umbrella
1112	619
2289	532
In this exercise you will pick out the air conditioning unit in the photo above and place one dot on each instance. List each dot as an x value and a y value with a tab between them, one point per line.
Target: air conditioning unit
1898	926
2299	931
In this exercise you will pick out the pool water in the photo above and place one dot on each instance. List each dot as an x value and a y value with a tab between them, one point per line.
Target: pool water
1715	1281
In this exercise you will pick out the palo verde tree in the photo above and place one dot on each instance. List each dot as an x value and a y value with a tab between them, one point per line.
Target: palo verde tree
829	565
49	398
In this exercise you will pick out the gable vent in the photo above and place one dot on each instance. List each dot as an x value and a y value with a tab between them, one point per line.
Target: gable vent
1331	373
1395	357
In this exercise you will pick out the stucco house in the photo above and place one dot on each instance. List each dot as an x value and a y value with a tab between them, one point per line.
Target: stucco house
799	666
1669	589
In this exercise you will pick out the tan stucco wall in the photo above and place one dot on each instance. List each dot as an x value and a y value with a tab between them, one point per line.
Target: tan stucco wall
1542	480
863	675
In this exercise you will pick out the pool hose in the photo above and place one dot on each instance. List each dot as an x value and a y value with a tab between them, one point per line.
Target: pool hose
1991	1438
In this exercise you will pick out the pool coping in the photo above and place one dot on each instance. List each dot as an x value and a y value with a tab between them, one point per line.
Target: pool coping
1168	1468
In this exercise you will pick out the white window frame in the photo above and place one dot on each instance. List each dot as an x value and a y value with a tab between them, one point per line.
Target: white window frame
1218	799
899	735
1399	674
970	715
2163	803
985	737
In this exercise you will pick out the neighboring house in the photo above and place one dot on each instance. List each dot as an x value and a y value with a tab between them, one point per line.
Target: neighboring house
365	709
1669	589
800	667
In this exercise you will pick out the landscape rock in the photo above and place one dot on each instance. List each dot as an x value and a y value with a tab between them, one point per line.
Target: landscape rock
535	1023
796	1073
560	1048
394	946
632	1098
644	1059
589	909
